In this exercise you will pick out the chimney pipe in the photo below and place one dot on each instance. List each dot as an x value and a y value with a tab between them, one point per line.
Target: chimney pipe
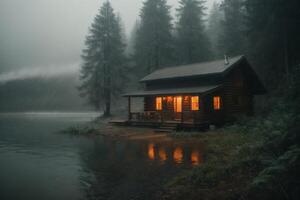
226	60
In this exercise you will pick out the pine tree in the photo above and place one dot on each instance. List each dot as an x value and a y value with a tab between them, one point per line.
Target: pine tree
192	42
132	39
153	46
214	28
103	66
273	29
232	39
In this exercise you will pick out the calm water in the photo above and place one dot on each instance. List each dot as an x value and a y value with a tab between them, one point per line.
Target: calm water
37	162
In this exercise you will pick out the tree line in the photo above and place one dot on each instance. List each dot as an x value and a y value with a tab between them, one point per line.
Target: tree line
267	31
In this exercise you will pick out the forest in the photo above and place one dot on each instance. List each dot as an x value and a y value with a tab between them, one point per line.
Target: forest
265	31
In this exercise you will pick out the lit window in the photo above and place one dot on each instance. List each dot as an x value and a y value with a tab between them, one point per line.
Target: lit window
158	103
217	103
178	104
195	103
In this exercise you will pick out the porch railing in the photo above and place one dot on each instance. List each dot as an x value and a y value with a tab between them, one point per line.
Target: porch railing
163	116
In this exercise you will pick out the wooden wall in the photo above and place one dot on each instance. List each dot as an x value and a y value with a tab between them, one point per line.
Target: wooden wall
238	98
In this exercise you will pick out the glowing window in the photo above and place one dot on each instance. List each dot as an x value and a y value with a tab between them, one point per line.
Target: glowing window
217	102
195	103
178	104
158	103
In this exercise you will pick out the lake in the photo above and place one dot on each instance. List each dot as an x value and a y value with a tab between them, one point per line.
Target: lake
39	162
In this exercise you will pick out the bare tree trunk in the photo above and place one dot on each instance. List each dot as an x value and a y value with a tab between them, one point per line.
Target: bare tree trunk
108	95
107	74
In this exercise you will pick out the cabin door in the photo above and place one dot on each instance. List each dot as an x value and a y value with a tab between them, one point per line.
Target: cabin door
177	107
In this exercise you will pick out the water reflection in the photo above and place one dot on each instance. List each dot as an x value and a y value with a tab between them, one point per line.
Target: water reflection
178	155
195	157
127	169
162	154
151	151
184	153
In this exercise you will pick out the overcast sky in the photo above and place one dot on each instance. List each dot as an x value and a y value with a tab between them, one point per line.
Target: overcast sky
43	33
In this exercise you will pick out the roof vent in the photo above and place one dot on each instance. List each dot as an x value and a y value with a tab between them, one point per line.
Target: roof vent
226	60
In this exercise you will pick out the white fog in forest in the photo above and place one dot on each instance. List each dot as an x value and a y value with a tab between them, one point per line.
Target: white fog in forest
45	37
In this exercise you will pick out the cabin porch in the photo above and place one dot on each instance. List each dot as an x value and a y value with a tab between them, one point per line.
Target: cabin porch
181	111
167	120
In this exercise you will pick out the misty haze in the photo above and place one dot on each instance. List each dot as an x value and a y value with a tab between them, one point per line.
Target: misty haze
149	99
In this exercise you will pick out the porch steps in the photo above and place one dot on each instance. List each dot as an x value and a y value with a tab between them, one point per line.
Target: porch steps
166	128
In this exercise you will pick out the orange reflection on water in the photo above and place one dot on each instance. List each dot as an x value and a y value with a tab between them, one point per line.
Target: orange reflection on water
195	157
151	152
178	155
162	154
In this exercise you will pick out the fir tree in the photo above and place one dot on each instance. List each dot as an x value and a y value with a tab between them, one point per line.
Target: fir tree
214	28
132	39
103	57
153	46
273	30
232	38
192	42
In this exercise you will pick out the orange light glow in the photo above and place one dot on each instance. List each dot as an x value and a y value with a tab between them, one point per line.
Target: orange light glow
178	104
158	103
178	155
162	154
151	152
169	99
195	103
217	102
195	158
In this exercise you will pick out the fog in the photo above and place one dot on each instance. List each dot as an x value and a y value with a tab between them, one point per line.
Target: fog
48	71
49	34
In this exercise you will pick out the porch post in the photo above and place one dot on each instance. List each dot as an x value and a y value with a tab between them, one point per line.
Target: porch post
129	108
181	117
162	110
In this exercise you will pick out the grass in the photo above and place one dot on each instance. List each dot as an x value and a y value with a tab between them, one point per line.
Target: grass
81	130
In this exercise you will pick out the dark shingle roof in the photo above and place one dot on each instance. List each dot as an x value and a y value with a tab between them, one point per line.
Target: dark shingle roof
197	69
174	91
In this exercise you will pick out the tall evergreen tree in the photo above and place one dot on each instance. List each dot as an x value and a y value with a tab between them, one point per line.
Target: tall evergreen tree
214	29
192	42
103	57
153	46
132	39
274	29
232	39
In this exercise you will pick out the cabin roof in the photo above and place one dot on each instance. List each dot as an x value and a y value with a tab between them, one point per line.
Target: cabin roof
173	91
197	69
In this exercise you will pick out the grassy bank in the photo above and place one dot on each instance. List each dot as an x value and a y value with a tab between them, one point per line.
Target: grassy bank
257	158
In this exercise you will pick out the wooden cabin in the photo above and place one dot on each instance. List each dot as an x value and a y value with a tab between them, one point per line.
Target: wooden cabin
197	94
